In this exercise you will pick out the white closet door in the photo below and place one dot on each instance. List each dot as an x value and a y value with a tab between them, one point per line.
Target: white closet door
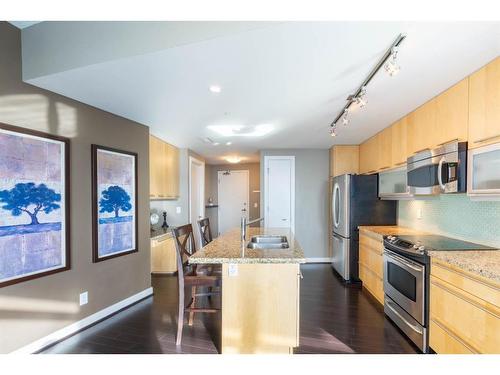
279	191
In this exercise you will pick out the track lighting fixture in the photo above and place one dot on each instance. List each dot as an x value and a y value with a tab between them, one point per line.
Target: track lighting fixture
391	66
389	63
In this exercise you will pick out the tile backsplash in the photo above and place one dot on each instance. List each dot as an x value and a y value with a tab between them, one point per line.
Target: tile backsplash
454	216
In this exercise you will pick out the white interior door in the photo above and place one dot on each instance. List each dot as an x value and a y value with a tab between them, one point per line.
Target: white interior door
232	198
196	195
279	195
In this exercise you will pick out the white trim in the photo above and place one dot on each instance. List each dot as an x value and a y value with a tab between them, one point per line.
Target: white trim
318	260
201	163
292	190
81	324
219	174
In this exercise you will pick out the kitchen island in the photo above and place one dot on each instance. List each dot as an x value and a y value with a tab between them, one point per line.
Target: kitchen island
260	291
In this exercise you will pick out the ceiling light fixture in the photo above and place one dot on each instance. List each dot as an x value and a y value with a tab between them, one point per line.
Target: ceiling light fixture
388	61
229	143
215	89
391	66
233	159
333	131
242	131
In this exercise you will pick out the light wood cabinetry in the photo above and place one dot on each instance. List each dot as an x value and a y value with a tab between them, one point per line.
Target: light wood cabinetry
384	146
484	105
398	142
371	265
163	170
421	128
260	308
163	255
464	311
344	159
368	156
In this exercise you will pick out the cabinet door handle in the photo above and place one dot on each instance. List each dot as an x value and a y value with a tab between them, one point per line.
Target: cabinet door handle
401	163
424	149
487	138
386	167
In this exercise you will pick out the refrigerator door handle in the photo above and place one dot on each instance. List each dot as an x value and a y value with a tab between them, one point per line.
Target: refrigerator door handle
336	219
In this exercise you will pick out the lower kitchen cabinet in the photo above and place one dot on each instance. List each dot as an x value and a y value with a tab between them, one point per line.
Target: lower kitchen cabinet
163	255
371	265
464	312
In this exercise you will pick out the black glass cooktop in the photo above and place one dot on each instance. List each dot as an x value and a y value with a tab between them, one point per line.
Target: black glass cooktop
441	243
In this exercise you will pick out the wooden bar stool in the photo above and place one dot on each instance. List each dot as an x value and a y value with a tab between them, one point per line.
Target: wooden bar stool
193	276
205	232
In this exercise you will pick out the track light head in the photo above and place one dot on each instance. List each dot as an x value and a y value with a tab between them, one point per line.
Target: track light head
361	98
345	119
391	66
332	131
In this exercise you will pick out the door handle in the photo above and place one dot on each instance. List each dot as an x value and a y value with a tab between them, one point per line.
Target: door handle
412	326
284	219
440	172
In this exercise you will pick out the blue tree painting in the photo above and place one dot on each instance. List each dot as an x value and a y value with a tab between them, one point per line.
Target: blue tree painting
114	199
30	199
33	239
115	185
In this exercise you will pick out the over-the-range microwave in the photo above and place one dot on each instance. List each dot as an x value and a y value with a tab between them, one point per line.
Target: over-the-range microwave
442	170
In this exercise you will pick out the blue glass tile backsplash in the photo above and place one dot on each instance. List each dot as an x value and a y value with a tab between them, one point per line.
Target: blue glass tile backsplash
454	216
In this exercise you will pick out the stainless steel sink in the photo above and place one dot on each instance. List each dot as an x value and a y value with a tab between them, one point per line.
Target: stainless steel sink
268	242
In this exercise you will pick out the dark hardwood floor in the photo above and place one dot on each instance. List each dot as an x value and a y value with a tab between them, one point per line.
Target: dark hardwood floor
334	319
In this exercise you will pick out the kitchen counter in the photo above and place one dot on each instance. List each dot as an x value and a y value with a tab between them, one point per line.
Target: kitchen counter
228	248
160	232
485	263
380	231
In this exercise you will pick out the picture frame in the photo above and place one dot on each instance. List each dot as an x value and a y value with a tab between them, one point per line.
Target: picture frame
114	203
34	204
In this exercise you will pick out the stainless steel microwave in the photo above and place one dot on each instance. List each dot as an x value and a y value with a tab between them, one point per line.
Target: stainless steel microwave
438	171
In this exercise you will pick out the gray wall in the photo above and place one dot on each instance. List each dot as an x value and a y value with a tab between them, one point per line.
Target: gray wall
35	308
211	189
311	197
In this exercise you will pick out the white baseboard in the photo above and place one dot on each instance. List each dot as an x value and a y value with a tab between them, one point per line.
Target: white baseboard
318	260
81	324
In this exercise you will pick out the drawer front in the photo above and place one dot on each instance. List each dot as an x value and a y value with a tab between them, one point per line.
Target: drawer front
443	341
163	256
372	260
372	283
371	243
470	319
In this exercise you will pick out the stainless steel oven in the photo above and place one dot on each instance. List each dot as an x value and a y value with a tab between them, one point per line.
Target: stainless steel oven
437	171
405	296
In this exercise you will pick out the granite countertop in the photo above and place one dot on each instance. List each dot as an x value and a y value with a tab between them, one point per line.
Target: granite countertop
228	248
160	232
385	230
485	263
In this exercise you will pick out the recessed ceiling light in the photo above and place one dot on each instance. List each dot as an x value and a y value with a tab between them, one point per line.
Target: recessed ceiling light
242	131
233	159
229	143
215	89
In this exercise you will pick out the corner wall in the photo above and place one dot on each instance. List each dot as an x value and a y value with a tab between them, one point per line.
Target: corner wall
35	308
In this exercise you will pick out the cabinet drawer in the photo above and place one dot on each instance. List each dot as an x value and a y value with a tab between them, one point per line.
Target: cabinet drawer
163	256
373	244
372	283
372	260
443	341
472	320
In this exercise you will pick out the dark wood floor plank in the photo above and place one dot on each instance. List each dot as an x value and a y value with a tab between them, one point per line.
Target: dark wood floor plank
335	318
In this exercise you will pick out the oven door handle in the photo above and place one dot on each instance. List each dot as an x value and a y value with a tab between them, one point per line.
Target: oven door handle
404	262
412	326
440	173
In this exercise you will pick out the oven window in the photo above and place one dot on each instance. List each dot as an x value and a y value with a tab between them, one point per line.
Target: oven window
402	280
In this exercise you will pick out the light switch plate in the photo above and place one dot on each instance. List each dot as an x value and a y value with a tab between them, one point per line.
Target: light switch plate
178	209
233	270
419	213
84	298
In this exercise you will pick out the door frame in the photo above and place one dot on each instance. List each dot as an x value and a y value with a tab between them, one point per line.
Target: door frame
266	189
193	160
219	173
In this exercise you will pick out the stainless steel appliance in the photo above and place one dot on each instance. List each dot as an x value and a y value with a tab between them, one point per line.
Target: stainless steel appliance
442	170
406	280
484	171
355	202
392	184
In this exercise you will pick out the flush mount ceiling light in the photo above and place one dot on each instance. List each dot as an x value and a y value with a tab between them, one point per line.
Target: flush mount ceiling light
242	131
229	143
233	159
388	61
215	89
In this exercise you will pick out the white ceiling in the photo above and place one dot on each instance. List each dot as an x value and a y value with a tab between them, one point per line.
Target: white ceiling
293	75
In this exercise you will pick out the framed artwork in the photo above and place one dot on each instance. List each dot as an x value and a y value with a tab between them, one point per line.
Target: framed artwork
114	190
34	204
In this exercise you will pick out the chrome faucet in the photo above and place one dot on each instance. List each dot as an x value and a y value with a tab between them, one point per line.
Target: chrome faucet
244	225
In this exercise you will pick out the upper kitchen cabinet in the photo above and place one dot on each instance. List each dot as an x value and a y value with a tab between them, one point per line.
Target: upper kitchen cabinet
163	170
344	159
369	155
484	105
421	130
384	146
399	140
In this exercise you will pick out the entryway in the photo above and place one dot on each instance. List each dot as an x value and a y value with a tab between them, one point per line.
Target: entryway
233	197
196	195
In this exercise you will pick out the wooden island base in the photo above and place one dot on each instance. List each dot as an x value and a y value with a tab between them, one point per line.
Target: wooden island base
260	308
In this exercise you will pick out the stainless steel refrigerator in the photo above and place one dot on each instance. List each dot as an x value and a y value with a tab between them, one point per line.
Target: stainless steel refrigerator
355	202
